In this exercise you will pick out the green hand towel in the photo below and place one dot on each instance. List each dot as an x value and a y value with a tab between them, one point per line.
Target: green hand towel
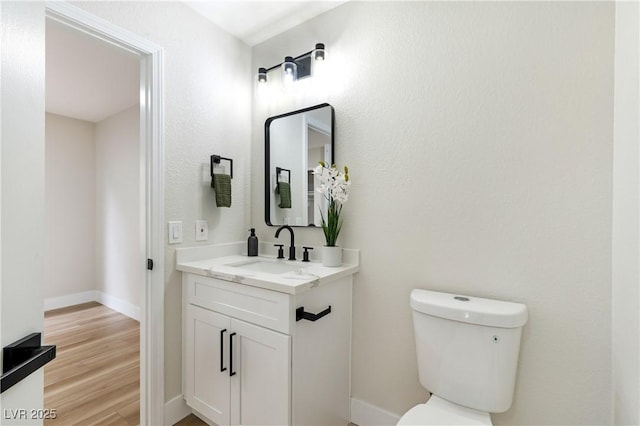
221	184
285	195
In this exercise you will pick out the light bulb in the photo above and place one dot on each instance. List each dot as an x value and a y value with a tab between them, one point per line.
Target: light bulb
289	71
319	52
262	75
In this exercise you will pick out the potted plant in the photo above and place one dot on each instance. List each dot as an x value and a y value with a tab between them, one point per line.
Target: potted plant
333	185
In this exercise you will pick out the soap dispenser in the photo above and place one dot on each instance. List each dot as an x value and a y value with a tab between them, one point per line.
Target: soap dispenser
252	243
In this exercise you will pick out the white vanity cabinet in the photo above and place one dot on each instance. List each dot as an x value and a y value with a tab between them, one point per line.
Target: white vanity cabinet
247	360
238	370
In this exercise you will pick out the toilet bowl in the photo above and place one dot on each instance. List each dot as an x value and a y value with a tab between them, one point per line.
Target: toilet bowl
438	411
467	351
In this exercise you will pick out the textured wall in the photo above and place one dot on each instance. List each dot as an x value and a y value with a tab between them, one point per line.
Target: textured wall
119	212
479	142
70	199
207	111
626	189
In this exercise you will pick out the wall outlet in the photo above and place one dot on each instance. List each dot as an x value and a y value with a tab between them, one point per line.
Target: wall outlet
175	232
202	230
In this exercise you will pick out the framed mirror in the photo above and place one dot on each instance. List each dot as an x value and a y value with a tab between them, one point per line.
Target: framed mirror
294	144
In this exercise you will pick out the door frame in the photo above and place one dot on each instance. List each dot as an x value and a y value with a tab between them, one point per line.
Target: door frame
152	185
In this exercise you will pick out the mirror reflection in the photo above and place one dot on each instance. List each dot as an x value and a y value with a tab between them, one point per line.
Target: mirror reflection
294	144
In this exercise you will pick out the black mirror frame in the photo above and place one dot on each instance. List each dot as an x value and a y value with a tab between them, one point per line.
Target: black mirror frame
267	155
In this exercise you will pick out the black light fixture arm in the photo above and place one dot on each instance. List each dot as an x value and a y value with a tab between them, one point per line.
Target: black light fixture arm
294	59
319	54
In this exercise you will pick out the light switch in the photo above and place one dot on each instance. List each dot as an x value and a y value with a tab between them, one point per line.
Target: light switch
202	230
175	232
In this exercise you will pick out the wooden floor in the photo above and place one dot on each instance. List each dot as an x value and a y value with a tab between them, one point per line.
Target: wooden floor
95	378
190	420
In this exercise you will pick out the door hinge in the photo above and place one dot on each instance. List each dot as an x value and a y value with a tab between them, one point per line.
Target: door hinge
150	264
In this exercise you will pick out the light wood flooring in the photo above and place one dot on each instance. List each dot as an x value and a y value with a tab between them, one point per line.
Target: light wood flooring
190	420
95	378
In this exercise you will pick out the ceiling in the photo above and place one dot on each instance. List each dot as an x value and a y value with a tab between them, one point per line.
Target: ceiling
91	80
256	21
86	78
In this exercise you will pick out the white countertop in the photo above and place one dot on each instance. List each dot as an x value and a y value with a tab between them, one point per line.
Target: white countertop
305	276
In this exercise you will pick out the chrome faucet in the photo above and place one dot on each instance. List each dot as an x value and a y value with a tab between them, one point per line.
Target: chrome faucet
292	248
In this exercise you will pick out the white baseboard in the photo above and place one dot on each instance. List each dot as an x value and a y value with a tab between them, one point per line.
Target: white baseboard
365	414
69	300
362	413
119	305
175	410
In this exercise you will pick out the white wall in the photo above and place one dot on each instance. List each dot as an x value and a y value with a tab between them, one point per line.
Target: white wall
207	111
479	142
70	199
93	212
287	156
22	188
120	256
626	253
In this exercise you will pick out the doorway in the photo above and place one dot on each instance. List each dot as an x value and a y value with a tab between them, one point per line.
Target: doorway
93	225
150	148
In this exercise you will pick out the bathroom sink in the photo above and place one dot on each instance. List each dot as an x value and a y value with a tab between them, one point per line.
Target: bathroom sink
266	266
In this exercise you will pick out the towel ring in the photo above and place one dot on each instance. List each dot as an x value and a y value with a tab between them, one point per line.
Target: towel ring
216	159
278	171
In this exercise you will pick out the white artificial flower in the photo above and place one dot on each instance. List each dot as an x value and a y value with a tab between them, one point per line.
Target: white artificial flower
318	170
340	197
333	183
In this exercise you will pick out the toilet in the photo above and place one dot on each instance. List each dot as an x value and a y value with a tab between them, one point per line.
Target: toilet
467	350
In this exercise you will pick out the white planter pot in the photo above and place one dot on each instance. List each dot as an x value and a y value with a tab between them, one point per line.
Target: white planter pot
331	256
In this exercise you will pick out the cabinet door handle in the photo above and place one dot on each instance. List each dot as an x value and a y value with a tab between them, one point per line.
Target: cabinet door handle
231	372
222	367
301	314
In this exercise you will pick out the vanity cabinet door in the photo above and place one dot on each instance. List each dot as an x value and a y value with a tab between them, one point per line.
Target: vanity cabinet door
261	388
207	364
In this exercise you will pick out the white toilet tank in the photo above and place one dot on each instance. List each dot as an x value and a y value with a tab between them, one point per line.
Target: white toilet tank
468	347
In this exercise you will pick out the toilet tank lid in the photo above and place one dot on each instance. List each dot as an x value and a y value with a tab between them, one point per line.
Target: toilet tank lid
474	310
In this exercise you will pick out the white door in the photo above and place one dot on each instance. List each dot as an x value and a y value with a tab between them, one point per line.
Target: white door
207	363
22	196
261	387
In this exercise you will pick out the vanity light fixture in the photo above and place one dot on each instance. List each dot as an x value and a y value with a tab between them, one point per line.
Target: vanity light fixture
294	68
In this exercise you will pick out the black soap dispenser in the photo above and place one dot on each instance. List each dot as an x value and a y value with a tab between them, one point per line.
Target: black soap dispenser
252	243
